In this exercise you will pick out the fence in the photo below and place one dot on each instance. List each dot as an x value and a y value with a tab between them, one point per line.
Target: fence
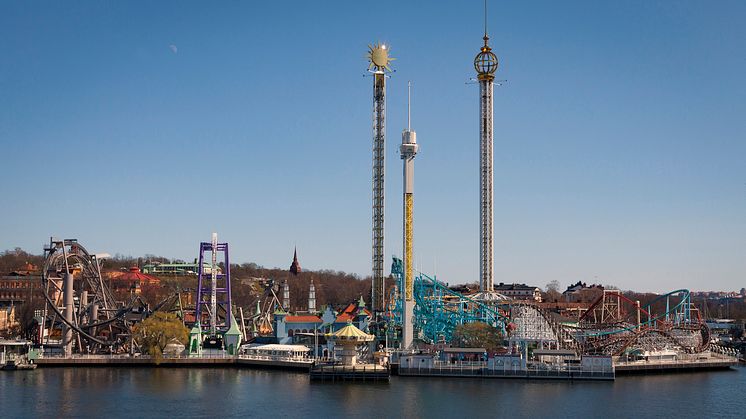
480	369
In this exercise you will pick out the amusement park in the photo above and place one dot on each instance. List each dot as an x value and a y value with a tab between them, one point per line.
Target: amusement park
408	323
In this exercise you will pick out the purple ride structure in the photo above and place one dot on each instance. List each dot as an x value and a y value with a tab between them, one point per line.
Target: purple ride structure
213	293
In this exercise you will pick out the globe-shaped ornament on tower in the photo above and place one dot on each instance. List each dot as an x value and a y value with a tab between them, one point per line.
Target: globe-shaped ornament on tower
485	62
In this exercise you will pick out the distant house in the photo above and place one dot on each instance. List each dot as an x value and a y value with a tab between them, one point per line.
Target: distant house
575	293
519	292
177	268
16	289
132	280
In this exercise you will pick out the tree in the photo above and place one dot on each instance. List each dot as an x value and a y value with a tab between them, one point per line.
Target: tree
477	335
157	331
553	291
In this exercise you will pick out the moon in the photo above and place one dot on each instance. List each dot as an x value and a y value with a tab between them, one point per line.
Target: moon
173	48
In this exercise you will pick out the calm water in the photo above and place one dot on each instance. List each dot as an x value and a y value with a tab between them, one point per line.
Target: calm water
136	393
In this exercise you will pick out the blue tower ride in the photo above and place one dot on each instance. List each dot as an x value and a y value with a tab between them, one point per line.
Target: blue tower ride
214	289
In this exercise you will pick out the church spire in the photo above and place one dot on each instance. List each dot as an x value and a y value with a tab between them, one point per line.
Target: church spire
295	266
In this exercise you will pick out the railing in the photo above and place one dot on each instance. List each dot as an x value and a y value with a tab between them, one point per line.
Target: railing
136	356
467	369
254	357
359	372
681	359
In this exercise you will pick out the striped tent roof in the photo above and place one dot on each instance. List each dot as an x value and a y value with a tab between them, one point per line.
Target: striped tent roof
351	333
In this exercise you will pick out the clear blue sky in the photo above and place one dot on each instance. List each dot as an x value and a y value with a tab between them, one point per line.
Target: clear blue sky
620	137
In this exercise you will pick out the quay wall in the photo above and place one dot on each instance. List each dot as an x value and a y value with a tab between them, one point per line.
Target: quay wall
187	362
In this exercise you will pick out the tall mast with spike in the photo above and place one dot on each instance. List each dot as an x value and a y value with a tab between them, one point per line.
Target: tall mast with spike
408	150
378	56
485	63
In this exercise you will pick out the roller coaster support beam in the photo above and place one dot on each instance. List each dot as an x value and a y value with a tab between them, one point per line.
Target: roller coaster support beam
69	302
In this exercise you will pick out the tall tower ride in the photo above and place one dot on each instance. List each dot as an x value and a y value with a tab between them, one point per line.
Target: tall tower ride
408	150
214	296
485	63
378	56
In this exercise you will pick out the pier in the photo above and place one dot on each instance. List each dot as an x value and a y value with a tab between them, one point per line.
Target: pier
677	365
175	361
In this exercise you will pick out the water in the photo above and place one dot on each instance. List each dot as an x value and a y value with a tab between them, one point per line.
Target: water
172	392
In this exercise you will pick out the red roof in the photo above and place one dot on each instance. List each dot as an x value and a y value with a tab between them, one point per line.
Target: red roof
134	274
344	318
303	319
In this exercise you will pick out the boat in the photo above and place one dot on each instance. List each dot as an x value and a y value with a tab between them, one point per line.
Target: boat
12	365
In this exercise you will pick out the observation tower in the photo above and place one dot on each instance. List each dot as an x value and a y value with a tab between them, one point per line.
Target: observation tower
379	65
408	150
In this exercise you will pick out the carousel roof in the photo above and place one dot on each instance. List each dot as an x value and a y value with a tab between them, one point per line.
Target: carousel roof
351	333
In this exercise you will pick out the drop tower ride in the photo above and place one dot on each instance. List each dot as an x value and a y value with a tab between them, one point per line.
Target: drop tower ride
485	63
378	56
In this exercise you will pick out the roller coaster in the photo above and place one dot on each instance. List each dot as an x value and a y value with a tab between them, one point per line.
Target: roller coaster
615	325
438	310
80	310
612	325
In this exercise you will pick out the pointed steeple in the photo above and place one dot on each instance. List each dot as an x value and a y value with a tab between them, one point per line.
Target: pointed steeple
295	266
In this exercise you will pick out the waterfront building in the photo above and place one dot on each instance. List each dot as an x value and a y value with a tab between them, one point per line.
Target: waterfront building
295	325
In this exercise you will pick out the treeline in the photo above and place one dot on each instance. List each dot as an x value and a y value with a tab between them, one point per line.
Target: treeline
17	259
332	287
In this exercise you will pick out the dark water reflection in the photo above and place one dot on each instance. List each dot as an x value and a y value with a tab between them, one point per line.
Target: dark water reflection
166	392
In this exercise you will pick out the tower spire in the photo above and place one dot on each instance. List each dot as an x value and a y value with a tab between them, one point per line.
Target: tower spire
295	266
485	21
409	106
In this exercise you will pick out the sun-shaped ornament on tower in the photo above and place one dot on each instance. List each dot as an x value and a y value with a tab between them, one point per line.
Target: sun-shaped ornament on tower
378	55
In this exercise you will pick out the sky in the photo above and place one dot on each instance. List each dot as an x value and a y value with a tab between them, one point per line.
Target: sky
142	127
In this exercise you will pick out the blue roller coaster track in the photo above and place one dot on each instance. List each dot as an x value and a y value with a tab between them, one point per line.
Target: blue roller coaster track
438	309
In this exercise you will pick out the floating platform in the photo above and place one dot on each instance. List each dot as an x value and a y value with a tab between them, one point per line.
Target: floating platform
670	366
356	373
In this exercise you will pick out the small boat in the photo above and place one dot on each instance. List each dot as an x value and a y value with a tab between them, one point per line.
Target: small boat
12	365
